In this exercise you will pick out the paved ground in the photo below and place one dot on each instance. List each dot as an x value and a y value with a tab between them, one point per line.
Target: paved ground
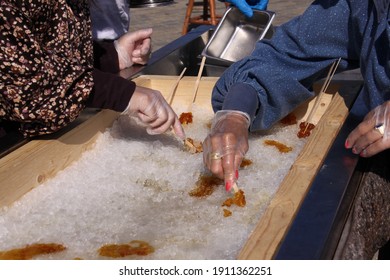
167	21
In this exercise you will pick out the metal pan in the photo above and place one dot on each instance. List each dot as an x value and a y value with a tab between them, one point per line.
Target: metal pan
236	35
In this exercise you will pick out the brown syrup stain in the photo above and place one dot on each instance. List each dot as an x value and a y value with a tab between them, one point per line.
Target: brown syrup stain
245	163
135	247
227	213
30	251
238	199
305	129
280	146
186	118
205	186
290	119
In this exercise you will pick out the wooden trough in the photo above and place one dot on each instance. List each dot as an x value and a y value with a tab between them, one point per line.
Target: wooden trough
38	160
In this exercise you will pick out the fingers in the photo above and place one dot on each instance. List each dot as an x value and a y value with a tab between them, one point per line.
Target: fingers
142	51
152	109
141	34
157	117
212	155
374	148
222	155
243	7
226	145
178	128
224	165
366	143
246	10
134	47
366	140
160	122
229	170
143	48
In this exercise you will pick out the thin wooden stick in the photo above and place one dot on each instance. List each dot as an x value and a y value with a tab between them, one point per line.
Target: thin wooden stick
324	88
235	187
189	145
198	79
334	66
173	90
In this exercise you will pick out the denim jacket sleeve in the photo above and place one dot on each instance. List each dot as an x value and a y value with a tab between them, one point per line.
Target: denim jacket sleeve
277	76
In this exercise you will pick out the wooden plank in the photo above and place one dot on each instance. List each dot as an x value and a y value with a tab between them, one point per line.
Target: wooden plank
38	160
183	96
272	227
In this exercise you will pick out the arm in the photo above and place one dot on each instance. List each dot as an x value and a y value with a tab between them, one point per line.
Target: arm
277	75
46	84
274	80
45	80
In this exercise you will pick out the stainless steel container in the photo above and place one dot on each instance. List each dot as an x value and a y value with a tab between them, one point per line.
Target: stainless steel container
149	3
236	36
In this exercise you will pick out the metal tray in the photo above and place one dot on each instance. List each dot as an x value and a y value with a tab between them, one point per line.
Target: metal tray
236	36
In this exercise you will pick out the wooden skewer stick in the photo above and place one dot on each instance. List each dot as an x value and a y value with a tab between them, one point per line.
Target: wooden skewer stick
190	145
198	79
173	90
324	88
235	187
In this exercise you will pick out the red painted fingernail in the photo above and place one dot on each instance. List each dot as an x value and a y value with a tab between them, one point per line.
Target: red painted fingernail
228	186
236	174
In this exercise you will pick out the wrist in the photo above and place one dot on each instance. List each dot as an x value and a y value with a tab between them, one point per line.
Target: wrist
237	116
124	60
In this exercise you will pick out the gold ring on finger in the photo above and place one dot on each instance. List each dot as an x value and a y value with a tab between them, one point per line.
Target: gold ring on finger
215	156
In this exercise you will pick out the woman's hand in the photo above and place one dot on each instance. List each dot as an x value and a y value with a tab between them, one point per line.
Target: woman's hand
225	146
134	48
150	107
372	135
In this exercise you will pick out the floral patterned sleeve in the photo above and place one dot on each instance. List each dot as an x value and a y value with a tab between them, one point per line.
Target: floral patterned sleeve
46	63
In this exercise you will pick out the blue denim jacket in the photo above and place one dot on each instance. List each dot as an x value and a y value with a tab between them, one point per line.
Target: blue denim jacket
276	77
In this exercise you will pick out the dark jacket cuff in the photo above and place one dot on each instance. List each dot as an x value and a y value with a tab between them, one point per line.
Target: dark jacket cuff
110	91
105	56
242	97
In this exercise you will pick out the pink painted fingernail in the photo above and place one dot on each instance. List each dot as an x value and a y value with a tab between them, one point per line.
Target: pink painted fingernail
236	174
228	186
347	144
363	153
